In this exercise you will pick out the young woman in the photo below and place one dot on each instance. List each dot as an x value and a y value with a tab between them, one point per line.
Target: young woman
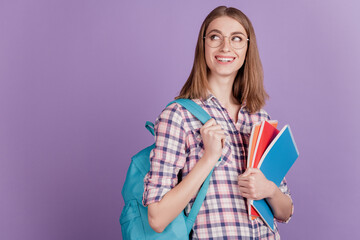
227	81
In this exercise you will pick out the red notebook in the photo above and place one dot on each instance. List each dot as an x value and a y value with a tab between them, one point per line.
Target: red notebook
253	139
266	134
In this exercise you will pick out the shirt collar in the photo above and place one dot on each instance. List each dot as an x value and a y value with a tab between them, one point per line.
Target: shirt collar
211	96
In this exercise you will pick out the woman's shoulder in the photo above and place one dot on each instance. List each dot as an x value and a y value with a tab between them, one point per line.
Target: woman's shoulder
175	113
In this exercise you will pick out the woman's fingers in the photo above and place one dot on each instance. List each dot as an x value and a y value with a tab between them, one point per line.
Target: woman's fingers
210	123
246	192
246	185
213	137
220	136
216	127
249	178
213	130
245	182
253	184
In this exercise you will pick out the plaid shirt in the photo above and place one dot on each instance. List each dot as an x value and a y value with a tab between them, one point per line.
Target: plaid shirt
179	146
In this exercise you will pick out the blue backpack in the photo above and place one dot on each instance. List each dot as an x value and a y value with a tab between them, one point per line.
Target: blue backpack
134	217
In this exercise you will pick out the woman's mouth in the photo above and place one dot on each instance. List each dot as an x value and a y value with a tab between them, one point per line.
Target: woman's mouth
224	60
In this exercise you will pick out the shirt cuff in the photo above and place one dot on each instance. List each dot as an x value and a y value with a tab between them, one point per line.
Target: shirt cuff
154	195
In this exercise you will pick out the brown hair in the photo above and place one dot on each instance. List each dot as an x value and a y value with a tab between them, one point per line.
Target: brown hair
248	85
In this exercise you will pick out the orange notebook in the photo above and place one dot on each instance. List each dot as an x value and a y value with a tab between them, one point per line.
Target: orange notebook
253	214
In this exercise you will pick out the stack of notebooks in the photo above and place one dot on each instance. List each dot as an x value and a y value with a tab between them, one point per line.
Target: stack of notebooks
273	152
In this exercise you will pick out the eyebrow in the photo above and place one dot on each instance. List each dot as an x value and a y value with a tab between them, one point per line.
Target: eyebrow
218	31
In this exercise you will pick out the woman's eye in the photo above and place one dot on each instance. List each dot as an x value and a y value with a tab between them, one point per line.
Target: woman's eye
237	39
214	37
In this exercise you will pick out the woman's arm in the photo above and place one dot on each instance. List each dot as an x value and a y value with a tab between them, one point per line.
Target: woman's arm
161	213
280	203
254	185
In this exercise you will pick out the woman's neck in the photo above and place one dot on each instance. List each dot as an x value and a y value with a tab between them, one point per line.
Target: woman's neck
221	88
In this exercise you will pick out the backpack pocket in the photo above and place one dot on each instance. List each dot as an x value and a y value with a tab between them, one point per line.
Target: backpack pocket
131	223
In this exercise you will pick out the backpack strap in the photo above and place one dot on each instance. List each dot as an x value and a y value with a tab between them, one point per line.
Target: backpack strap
194	109
203	116
150	126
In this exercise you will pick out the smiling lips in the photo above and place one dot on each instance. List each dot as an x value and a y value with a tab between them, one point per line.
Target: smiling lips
224	59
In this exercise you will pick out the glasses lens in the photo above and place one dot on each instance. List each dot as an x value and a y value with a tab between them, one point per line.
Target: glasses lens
215	40
238	41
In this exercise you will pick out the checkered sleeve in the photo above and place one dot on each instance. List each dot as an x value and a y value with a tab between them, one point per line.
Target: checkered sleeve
168	156
285	189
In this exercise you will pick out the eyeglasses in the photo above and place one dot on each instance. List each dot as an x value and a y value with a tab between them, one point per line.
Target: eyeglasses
214	40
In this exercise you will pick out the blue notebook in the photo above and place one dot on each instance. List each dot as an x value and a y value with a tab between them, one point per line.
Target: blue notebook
274	164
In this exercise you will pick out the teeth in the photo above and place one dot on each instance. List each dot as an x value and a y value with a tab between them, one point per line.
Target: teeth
225	59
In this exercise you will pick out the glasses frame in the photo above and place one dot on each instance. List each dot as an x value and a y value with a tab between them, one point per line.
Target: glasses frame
247	40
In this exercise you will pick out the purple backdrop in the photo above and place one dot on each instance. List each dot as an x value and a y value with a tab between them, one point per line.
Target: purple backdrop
78	80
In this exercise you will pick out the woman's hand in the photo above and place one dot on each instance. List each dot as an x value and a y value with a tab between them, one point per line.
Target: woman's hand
254	185
214	138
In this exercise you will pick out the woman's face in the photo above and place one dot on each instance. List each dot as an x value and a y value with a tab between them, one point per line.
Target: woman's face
225	60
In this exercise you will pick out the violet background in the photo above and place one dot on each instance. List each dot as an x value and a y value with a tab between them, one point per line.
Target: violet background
78	80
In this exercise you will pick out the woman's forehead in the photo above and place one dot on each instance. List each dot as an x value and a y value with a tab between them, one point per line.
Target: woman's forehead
226	25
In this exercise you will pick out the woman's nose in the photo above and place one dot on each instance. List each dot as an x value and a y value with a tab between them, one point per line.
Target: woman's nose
225	45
